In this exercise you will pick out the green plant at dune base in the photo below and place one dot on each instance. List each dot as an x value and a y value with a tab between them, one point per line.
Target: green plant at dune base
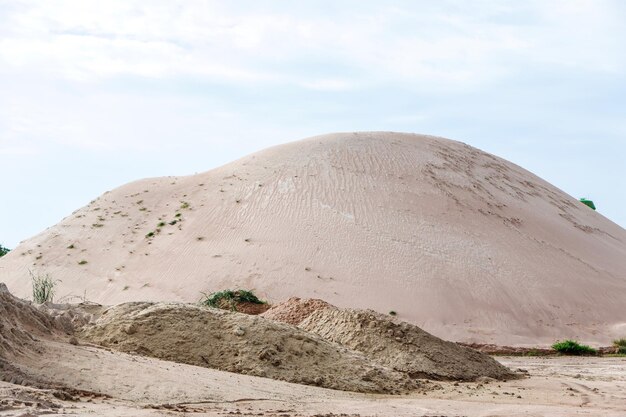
43	287
572	347
3	251
620	344
231	297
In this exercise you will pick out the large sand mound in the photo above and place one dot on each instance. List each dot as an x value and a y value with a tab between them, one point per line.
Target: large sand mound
463	244
402	346
240	343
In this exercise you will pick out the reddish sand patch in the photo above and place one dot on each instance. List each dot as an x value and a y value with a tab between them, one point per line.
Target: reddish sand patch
295	310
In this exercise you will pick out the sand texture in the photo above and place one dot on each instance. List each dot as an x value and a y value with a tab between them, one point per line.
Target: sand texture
56	375
240	343
295	310
402	346
461	243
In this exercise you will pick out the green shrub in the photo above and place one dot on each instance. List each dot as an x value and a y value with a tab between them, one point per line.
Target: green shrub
620	344
572	347
82	262
231	297
3	251
43	287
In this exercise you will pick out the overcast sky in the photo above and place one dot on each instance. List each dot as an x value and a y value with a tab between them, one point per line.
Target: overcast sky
94	94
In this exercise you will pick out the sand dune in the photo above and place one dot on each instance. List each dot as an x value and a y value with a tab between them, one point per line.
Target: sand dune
464	244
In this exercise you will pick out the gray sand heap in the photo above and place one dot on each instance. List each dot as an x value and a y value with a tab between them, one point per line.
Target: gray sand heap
236	342
20	323
402	346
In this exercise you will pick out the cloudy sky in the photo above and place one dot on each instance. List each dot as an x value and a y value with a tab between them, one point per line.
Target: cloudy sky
94	94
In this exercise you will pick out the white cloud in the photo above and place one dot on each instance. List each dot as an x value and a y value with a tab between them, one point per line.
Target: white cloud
449	47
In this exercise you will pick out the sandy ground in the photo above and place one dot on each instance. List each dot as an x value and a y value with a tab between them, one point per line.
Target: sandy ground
466	245
137	386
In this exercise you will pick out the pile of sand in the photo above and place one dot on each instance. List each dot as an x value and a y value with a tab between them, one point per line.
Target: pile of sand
20	323
402	346
236	342
22	330
463	244
295	310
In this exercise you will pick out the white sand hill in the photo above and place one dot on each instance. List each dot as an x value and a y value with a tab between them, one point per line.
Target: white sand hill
464	244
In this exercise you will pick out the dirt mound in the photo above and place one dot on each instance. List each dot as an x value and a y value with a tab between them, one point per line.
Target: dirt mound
403	346
244	307
239	343
23	326
295	310
20	322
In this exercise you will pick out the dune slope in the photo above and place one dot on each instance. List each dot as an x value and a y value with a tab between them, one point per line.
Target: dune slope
464	244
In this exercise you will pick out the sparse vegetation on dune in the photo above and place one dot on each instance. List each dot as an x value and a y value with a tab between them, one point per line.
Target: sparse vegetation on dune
572	347
4	251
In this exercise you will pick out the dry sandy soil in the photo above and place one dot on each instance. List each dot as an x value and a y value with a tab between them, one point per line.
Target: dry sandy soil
463	244
138	386
45	370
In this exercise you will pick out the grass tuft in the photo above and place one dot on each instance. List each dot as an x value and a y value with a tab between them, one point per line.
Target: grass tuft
231	297
572	347
43	287
620	344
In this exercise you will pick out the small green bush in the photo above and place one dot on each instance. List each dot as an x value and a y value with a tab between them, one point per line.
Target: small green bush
43	287
393	313
572	347
3	251
620	344
82	262
232	297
